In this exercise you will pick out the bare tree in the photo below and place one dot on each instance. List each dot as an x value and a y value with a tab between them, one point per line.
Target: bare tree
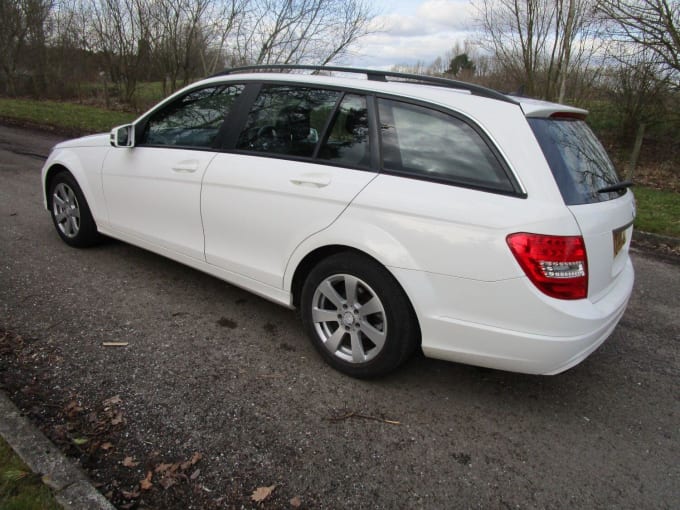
22	28
119	29
653	25
177	39
222	22
290	32
538	43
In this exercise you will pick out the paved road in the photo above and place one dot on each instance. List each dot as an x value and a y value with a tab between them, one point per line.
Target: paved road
212	369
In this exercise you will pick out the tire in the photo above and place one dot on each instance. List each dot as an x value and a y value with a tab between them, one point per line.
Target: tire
358	316
70	213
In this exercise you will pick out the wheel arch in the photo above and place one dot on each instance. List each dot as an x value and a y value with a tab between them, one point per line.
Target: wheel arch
66	160
51	172
311	259
307	264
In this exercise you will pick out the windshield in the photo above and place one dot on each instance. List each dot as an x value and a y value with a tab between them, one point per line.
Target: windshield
577	159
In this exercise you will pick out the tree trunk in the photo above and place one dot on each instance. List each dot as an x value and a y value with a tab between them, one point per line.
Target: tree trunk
632	162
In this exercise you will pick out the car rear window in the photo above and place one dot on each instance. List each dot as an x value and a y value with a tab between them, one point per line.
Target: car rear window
577	159
425	143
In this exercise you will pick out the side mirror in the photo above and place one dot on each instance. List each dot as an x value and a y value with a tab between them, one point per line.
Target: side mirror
123	136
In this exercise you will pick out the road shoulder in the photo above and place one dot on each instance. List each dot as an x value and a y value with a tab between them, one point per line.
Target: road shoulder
72	488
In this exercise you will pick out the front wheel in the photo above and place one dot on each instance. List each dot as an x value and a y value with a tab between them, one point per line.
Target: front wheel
70	212
358	316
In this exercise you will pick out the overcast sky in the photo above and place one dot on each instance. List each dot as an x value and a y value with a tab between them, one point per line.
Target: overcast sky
413	30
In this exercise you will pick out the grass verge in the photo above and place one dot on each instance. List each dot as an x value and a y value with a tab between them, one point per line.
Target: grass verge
658	211
65	117
20	489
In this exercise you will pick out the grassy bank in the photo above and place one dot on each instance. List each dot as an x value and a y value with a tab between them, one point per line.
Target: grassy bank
20	489
658	211
64	117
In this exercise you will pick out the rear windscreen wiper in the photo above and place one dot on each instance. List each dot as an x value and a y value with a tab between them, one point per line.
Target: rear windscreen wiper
616	187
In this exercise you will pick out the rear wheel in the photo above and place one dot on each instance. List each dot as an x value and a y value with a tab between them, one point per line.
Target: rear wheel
70	212
358	316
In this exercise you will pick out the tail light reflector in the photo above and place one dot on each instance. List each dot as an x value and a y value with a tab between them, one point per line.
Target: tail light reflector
557	265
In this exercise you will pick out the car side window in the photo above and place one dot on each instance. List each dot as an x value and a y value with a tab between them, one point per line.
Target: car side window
287	120
193	120
427	143
347	141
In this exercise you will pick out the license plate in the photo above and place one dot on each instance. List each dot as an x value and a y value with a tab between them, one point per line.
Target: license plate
619	239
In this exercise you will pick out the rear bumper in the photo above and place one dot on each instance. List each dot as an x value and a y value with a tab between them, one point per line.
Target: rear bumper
510	325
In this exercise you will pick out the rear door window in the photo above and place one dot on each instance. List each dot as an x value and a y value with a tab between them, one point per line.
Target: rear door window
287	120
426	143
347	141
577	159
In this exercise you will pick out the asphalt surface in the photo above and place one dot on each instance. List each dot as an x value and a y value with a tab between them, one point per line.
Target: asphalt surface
211	369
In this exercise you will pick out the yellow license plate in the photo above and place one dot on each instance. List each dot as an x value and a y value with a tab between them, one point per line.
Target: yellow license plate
619	240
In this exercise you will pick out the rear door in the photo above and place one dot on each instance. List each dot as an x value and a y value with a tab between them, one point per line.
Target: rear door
282	179
603	207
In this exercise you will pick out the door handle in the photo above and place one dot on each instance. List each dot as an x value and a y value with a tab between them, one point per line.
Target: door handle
312	180
185	167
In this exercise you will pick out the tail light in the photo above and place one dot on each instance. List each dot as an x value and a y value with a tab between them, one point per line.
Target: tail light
557	265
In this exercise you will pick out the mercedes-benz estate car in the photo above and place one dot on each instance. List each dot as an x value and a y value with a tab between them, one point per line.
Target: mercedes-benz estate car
395	212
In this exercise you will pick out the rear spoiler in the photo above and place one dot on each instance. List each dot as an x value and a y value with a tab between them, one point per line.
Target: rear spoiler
546	110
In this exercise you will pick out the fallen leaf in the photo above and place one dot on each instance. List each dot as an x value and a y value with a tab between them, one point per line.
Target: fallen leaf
114	344
79	441
72	408
112	401
117	419
129	462
296	502
164	468
195	474
193	460
168	481
262	493
146	484
106	446
130	495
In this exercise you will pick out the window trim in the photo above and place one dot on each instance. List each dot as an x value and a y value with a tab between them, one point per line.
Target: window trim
236	119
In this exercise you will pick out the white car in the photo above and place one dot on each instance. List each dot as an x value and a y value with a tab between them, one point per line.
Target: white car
396	212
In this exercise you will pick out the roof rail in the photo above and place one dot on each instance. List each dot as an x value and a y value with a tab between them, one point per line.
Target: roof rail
374	75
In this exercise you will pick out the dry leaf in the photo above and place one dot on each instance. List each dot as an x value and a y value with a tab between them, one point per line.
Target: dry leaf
193	460
112	401
117	419
195	474
168	481
146	484
130	495
262	493
162	468
115	344
129	462
72	408
106	446
296	502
